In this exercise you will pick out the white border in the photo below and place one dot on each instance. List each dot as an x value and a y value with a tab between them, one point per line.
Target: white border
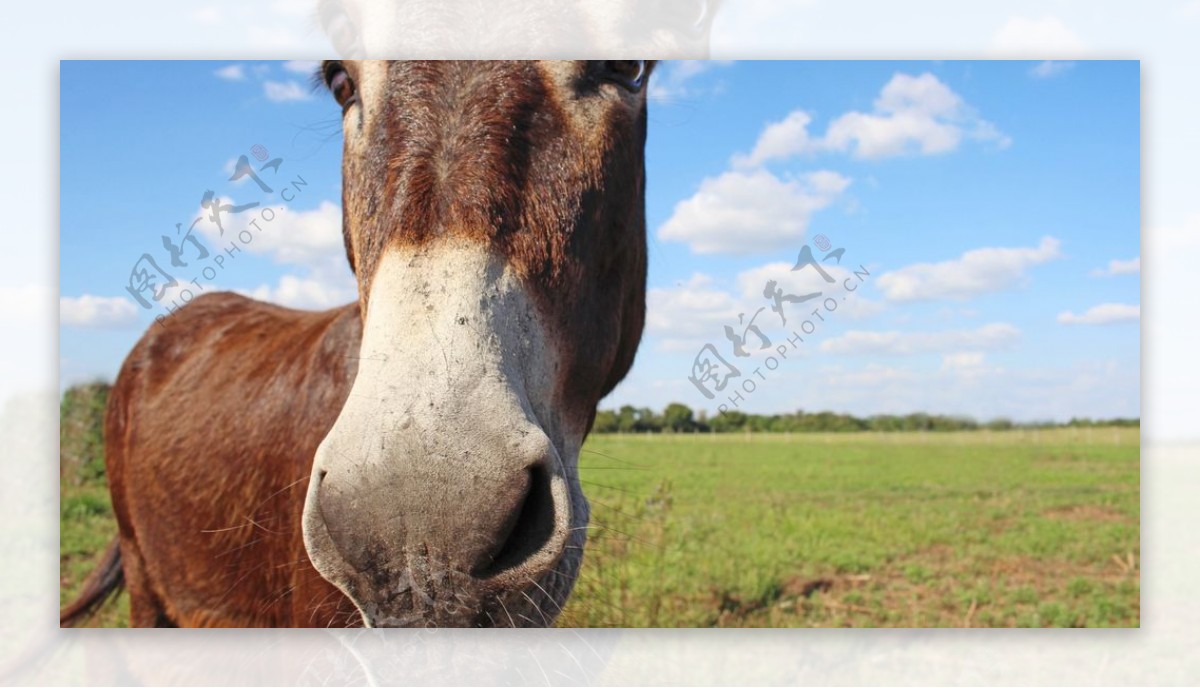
1162	35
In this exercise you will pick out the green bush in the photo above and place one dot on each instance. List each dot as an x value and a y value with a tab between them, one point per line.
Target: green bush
81	436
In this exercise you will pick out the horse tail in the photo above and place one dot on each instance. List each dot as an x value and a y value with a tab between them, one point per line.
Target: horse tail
101	585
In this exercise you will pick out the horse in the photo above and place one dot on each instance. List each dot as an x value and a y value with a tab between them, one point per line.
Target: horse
409	459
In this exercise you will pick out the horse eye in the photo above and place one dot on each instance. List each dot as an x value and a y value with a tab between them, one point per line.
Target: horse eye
340	84
629	74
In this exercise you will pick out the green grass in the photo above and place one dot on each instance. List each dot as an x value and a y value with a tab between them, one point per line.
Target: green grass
1021	528
86	523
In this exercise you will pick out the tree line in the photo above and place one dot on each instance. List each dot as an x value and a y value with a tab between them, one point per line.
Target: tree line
678	417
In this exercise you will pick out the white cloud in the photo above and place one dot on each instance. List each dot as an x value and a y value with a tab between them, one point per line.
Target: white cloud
783	139
1104	314
1120	267
918	110
690	313
752	283
309	240
911	115
230	167
1025	36
304	67
1099	389
285	91
968	366
750	212
675	80
948	313
973	273
293	237
305	237
315	292
1051	68
872	376
963	360
894	343
233	72
97	311
694	309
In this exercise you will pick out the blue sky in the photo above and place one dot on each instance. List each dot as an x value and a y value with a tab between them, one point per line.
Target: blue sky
994	204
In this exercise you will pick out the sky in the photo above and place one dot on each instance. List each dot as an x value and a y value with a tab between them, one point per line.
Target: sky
990	209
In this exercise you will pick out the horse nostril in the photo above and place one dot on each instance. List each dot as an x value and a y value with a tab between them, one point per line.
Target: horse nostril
531	530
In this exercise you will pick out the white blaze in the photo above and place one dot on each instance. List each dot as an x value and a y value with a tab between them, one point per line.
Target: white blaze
457	377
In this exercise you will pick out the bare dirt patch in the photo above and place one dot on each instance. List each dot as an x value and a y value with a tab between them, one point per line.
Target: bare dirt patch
1085	512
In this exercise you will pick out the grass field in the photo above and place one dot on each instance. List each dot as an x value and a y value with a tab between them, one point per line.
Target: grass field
1019	528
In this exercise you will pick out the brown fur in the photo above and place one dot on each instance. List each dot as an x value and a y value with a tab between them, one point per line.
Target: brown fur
210	434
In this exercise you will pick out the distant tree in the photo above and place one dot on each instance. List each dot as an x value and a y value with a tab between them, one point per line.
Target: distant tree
648	421
952	423
606	421
627	418
884	423
678	418
1000	424
918	421
757	423
730	421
